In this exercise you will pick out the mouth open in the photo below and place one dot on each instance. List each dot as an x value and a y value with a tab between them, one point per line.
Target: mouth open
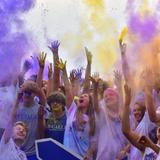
81	101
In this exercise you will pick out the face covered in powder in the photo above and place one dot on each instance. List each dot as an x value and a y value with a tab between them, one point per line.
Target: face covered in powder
138	111
110	97
83	101
19	131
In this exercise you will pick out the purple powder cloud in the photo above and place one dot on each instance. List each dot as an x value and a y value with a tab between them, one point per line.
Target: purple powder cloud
15	41
145	27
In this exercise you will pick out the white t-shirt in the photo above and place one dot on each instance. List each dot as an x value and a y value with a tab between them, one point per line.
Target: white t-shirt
158	158
149	154
109	135
143	128
74	139
9	151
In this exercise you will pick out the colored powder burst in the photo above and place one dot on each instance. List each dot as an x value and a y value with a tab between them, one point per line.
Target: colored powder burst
123	34
144	41
144	27
15	42
104	48
96	4
96	31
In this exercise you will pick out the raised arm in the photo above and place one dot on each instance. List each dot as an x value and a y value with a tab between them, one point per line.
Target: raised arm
148	81
41	61
86	84
125	66
41	122
56	73
8	131
131	135
50	80
95	81
68	87
118	83
153	115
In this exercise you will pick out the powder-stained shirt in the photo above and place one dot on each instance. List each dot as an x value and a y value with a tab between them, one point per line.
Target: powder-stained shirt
9	151
76	140
55	128
29	115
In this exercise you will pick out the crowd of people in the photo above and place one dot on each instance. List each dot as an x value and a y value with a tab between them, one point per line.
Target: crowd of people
92	117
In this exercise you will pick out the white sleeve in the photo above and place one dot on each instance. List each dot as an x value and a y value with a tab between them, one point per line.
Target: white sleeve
145	126
72	109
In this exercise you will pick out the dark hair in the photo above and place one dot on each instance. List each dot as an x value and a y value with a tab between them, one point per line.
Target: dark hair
142	105
91	115
58	97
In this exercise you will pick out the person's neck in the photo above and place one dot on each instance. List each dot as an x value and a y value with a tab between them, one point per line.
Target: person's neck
58	114
18	142
83	110
113	107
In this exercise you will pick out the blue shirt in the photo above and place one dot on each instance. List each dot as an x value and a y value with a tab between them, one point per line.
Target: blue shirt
55	128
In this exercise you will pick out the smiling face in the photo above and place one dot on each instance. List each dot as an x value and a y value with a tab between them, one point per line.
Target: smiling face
56	107
110	97
83	101
138	112
19	132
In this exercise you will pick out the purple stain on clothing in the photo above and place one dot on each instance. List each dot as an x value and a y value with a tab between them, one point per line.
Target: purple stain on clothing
145	27
15	41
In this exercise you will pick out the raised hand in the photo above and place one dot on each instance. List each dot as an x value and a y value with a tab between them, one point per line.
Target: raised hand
60	64
41	59
145	141
88	55
96	76
50	71
78	73
73	76
54	46
26	66
117	78
94	79
128	97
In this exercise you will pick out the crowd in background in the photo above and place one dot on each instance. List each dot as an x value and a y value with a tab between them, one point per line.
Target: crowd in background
92	117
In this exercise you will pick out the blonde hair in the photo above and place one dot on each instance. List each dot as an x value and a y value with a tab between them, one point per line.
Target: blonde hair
22	124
